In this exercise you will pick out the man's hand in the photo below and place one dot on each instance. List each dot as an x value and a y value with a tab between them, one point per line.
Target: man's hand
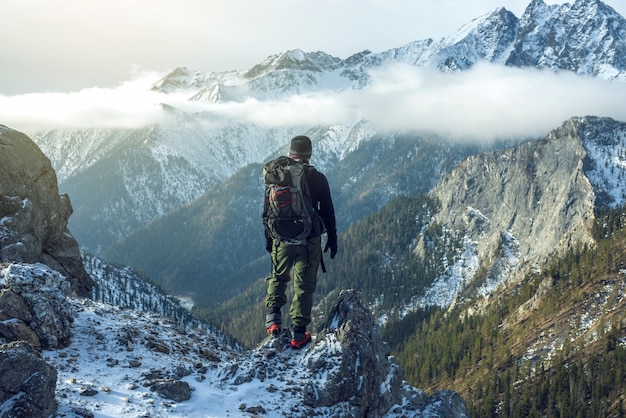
331	244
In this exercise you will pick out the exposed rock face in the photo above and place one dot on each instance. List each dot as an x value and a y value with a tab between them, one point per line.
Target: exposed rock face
33	216
34	307
27	383
367	376
519	206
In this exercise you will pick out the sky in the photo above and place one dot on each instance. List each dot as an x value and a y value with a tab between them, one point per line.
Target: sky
71	63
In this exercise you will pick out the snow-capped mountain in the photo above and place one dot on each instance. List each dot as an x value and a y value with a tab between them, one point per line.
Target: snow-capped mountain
587	37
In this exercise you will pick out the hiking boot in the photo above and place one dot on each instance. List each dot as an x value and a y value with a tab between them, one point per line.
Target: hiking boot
300	338
274	329
273	323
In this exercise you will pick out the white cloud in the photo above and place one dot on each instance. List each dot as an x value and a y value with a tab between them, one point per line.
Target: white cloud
484	103
487	102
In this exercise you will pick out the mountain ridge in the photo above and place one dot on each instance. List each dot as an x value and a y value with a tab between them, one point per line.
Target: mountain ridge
221	146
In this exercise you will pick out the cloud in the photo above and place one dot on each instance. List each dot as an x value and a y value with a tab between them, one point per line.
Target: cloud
485	103
131	104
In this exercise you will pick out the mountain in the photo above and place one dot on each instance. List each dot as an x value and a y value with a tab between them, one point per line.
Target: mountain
146	172
514	210
495	217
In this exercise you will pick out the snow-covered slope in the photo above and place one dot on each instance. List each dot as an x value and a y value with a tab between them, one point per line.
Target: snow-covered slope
127	362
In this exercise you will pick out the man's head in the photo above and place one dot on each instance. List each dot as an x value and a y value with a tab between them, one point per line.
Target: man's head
300	148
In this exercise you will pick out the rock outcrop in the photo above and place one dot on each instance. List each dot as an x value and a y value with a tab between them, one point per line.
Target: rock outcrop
27	382
34	307
33	216
517	207
347	368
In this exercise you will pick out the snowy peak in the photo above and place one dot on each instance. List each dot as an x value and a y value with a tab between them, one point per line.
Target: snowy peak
290	73
295	60
588	38
486	38
182	79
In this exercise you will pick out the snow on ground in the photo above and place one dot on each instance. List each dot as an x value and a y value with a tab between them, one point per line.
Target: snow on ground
110	353
116	354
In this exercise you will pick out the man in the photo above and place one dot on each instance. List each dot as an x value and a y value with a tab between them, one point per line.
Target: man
303	259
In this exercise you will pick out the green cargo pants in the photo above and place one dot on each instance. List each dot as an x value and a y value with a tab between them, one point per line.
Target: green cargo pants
305	260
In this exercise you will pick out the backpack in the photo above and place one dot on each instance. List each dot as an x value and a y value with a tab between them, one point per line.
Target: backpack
288	211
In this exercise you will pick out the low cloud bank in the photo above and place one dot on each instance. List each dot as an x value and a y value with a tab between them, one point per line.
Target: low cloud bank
485	103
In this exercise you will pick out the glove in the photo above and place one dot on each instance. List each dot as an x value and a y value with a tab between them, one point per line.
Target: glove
268	244
331	244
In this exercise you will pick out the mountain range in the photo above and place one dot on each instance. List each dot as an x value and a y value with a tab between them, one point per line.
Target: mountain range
146	172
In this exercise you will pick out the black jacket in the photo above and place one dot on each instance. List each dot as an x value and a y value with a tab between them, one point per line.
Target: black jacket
322	203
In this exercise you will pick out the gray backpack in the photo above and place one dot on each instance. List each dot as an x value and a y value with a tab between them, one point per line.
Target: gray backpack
288	209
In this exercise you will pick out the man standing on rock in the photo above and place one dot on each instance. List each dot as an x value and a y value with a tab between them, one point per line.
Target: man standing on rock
302	256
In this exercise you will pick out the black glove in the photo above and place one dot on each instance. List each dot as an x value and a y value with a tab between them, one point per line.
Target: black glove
268	244
331	244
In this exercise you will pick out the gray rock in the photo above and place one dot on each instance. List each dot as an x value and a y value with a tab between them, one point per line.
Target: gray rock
27	383
176	390
35	296
18	330
531	201
360	373
13	305
33	215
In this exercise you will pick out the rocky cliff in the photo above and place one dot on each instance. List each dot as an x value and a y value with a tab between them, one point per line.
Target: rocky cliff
516	208
33	216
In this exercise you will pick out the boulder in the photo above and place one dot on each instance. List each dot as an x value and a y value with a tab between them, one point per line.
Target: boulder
27	382
34	305
175	390
359	371
33	216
